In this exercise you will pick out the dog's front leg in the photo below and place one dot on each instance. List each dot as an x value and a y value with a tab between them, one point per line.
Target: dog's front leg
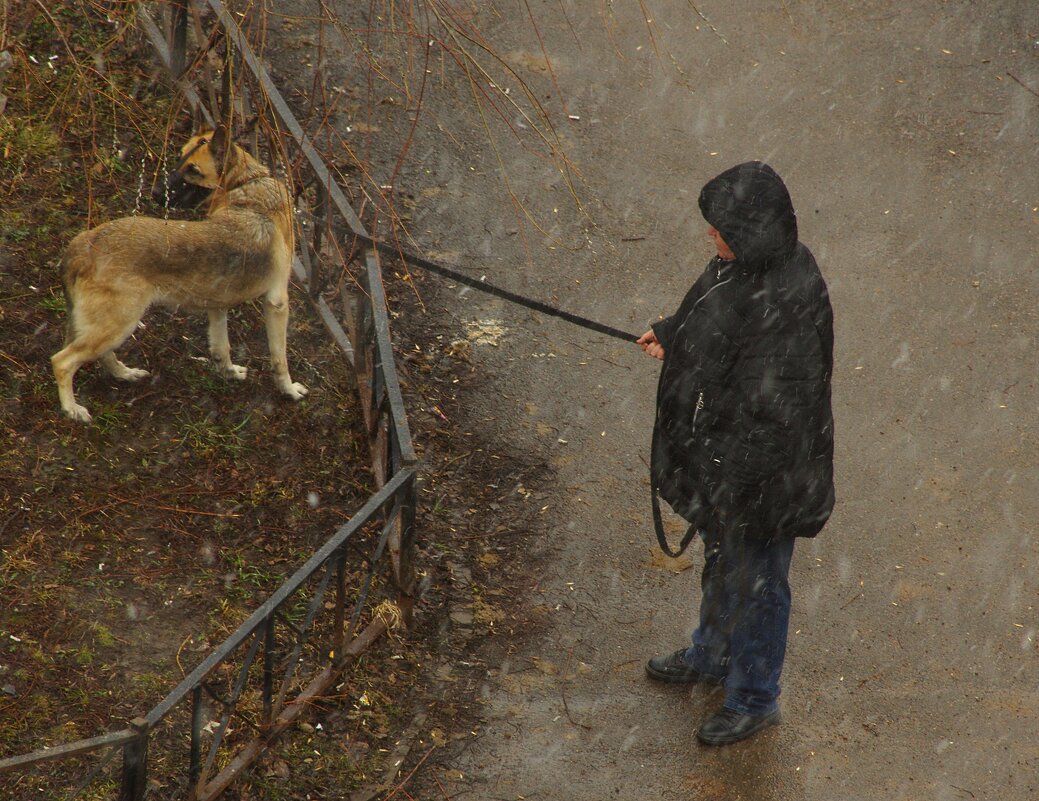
276	316
119	370
220	346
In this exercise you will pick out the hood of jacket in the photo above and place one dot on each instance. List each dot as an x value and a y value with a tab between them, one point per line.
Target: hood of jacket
750	206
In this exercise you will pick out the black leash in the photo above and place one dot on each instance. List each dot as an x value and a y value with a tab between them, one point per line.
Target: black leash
658	521
658	525
490	289
552	311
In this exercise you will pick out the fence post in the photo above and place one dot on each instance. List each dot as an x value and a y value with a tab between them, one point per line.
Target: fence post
135	763
268	675
339	626
358	308
322	209
195	757
406	564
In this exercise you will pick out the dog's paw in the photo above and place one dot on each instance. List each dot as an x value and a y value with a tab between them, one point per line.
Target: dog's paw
77	413
237	372
294	390
133	374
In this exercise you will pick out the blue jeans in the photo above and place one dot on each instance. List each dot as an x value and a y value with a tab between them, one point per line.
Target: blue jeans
744	616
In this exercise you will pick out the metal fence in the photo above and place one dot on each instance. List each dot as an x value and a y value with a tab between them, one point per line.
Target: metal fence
294	648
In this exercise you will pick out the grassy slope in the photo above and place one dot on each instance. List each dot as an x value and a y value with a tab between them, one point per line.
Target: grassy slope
131	547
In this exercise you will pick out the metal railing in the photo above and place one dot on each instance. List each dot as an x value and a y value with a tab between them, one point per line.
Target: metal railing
294	648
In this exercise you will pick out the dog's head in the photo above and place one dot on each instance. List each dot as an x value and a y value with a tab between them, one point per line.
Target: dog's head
197	174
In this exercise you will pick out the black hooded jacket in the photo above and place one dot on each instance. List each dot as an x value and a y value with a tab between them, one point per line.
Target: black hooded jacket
744	423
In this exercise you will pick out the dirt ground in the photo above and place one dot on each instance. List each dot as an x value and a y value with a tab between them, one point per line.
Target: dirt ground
130	548
906	134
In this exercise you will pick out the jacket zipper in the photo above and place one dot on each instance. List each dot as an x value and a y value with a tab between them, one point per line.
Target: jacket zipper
696	409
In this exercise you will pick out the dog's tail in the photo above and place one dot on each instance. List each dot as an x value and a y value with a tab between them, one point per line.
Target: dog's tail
69	333
68	278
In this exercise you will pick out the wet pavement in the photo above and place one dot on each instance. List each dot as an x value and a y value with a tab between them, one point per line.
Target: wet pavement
907	136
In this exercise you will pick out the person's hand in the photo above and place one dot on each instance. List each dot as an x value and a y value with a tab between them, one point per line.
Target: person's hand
651	345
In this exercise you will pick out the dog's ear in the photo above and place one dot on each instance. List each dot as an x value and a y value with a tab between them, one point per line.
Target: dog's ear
218	146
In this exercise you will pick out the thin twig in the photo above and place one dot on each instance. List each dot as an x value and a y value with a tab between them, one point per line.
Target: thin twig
174	508
544	53
443	791
17	362
418	108
562	691
400	787
852	600
177	657
1025	85
566	708
649	28
709	25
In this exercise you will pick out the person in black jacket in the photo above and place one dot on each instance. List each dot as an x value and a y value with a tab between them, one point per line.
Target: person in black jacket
743	440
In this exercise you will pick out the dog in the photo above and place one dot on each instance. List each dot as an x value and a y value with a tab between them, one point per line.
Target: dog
240	251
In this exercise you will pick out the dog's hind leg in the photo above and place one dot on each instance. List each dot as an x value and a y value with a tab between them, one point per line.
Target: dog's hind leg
94	333
276	316
81	351
65	363
220	345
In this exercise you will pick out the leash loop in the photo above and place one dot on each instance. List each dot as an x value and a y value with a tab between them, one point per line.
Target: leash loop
658	520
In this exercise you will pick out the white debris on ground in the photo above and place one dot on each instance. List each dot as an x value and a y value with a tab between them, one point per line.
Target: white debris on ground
485	332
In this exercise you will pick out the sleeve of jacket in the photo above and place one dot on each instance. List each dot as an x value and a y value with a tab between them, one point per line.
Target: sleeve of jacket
664	330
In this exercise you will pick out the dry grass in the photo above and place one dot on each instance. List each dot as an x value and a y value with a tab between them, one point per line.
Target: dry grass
130	548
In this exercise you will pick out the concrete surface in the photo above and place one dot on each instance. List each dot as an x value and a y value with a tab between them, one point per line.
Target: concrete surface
907	134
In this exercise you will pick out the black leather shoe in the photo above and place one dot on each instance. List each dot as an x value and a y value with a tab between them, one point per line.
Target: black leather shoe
730	726
673	669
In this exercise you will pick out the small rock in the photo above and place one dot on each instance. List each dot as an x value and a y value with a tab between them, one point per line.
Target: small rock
463	617
281	769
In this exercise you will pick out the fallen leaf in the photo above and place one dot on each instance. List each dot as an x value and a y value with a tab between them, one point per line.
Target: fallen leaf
459	349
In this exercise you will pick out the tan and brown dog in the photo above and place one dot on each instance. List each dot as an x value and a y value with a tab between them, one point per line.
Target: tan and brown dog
241	250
